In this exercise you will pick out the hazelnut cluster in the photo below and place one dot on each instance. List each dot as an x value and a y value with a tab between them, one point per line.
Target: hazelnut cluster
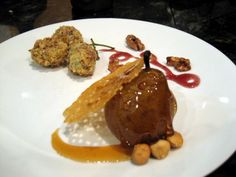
159	150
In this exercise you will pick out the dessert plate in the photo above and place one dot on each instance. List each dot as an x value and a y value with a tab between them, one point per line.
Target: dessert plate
32	100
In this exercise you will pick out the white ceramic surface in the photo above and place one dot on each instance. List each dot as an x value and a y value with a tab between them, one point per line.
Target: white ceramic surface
33	98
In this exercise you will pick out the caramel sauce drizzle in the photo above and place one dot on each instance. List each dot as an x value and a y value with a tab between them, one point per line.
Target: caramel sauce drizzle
111	153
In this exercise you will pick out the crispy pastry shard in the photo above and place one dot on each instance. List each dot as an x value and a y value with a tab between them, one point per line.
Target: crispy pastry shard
96	96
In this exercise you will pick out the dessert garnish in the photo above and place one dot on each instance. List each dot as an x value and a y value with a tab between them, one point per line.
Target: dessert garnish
179	63
134	43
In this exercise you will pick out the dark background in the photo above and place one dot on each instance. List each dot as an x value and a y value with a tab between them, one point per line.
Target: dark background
211	20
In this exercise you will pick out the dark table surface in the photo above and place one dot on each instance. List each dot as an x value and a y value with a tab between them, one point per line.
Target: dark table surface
211	20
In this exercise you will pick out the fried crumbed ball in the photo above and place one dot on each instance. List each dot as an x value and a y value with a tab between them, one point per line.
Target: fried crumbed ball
82	59
68	34
49	53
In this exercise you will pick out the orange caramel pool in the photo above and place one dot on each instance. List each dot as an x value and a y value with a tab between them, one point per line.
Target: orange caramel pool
111	153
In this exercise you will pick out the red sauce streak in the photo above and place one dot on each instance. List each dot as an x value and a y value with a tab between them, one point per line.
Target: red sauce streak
187	79
122	56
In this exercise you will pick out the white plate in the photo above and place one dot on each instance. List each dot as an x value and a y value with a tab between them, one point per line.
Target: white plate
32	100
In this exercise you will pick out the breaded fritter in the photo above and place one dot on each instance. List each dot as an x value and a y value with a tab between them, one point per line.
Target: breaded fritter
82	59
65	47
49	52
68	34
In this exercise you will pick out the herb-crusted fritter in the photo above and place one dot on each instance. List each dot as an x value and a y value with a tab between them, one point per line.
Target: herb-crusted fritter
82	59
48	52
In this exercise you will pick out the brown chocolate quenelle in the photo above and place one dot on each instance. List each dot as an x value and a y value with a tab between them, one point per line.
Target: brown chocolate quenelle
143	111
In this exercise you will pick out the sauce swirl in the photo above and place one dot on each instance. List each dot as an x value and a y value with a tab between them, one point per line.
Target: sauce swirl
187	80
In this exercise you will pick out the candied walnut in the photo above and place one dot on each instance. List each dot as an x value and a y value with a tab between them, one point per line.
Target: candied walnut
134	43
179	63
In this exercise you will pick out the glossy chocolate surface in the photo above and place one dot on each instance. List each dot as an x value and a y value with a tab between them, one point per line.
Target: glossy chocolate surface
143	110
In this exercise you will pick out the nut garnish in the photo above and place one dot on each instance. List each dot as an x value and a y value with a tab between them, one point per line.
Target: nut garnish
179	63
176	140
134	43
160	149
141	154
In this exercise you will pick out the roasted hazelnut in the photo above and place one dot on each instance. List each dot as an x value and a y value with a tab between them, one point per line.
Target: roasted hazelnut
176	140
140	154
160	149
